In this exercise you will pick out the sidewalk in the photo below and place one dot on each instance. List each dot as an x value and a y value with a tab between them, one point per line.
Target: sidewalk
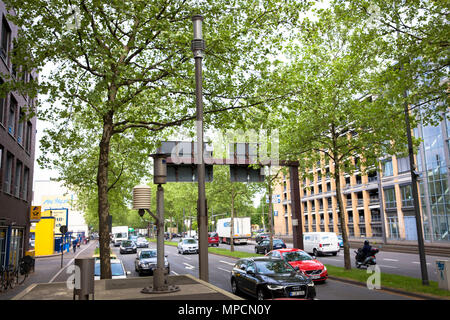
191	288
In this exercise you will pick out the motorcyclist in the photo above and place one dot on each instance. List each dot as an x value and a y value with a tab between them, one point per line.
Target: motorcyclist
366	249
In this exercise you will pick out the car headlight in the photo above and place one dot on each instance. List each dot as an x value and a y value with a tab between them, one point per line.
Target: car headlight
274	287
142	264
324	268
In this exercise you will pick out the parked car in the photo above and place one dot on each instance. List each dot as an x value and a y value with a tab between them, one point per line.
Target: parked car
187	245
304	262
142	243
146	261
269	278
261	236
341	241
319	243
128	246
264	246
117	270
213	239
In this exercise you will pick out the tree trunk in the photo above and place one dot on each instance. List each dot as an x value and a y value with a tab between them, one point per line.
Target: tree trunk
103	204
347	262
270	217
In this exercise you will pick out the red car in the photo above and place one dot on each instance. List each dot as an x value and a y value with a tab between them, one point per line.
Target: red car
213	239
305	263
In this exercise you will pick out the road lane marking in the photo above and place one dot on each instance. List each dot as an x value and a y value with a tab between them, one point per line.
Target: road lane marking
70	262
333	259
188	266
390	260
231	264
388	266
419	262
175	273
223	269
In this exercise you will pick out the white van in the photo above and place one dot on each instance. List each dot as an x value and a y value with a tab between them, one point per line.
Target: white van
319	243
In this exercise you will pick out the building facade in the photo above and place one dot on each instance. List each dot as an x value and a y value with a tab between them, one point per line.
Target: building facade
17	153
373	198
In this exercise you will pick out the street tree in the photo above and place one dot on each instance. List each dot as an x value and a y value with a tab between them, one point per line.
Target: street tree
125	68
331	115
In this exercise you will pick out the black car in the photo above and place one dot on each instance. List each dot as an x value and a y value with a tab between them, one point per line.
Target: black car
146	262
128	246
261	236
264	246
270	278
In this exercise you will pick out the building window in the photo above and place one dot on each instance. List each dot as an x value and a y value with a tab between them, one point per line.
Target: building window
8	178
12	116
389	198
2	106
18	179
407	199
387	168
21	128
403	165
6	39
26	177
28	137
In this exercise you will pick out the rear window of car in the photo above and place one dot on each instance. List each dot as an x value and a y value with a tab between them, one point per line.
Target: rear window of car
116	269
213	234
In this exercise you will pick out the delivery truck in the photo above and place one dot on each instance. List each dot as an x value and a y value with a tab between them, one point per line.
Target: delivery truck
242	230
120	234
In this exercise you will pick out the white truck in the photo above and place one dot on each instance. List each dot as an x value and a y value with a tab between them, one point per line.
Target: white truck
242	230
120	234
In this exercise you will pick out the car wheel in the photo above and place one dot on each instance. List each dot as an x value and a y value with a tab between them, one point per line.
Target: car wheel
260	294
334	253
315	252
234	287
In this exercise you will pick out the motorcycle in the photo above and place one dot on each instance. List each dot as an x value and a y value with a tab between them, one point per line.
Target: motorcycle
369	260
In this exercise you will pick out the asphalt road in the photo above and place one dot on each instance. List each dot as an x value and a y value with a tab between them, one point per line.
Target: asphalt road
405	264
220	269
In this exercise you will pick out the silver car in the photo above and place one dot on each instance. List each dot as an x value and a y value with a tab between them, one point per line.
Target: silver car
142	243
146	261
188	245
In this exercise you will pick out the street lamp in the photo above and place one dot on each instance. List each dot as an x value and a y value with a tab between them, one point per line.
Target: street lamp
198	48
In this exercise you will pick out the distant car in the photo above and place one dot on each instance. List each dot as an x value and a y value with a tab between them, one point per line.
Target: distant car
269	278
213	239
128	246
261	236
117	270
320	243
146	261
341	241
264	246
187	245
304	262
142	243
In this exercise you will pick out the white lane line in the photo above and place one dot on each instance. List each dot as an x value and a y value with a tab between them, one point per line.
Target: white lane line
388	266
223	269
390	260
188	266
332	259
175	273
70	262
231	264
416	262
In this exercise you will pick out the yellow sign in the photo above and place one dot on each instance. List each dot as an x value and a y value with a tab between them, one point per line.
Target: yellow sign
35	213
60	216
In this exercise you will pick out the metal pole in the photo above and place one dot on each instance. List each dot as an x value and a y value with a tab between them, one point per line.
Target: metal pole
158	276
415	191
198	47
296	209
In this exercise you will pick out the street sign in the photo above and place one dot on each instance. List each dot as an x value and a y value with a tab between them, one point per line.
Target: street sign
276	198
63	229
35	213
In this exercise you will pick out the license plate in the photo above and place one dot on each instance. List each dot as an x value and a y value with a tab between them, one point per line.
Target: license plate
297	293
315	277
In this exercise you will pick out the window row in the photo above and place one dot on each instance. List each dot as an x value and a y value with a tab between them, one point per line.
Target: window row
14	119
14	175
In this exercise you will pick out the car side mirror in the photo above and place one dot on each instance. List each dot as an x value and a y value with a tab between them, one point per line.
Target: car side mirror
128	273
297	268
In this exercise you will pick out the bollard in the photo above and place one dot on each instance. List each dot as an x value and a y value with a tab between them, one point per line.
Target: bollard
443	271
84	281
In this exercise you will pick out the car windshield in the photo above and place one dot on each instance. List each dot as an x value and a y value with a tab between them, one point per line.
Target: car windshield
148	254
141	239
116	269
273	267
189	241
296	256
277	241
126	243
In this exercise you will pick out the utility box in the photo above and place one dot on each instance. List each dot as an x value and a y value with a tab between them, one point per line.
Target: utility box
443	273
84	280
44	237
